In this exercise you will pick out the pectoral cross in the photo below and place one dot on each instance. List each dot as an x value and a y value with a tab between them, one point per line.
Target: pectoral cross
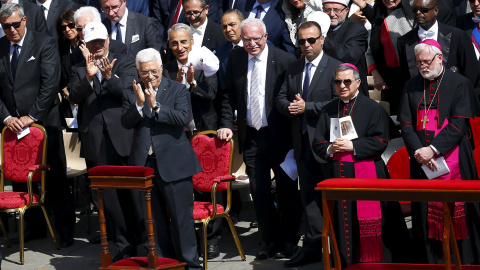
424	120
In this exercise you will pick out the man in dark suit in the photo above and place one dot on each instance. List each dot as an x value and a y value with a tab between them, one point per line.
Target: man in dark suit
139	6
36	19
347	40
158	115
29	82
271	13
254	76
51	10
307	88
452	40
97	85
135	30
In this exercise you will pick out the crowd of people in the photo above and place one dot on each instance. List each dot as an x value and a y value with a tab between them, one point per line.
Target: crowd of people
141	77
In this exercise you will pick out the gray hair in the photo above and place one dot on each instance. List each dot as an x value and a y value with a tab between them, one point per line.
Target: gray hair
148	55
178	27
203	2
87	11
419	48
342	67
253	22
8	9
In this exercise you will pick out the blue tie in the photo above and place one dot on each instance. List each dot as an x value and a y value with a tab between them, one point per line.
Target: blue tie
14	62
259	12
99	76
119	32
306	85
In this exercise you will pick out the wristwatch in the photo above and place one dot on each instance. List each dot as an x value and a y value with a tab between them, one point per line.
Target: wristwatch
194	82
157	106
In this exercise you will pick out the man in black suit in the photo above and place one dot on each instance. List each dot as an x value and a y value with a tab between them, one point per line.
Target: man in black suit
254	76
135	30
36	19
51	10
271	13
158	115
347	40
29	82
307	88
97	85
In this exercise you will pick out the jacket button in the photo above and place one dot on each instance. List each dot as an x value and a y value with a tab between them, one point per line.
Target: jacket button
101	123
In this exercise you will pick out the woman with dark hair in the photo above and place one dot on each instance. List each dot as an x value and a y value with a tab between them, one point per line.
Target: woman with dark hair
68	41
296	13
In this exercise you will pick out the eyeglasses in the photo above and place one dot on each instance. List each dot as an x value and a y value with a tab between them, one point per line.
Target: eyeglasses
114	8
70	25
79	28
255	39
335	10
311	41
347	82
422	9
154	72
426	62
195	13
6	26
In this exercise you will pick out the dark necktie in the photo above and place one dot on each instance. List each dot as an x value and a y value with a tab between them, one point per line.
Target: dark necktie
306	85
259	12
119	32
14	61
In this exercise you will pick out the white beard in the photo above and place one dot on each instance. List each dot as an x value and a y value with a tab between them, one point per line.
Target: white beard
431	74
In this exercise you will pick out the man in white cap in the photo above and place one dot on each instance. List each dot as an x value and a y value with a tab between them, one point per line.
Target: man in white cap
97	85
347	40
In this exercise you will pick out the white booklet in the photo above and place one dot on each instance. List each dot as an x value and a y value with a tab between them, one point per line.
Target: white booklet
342	128
442	164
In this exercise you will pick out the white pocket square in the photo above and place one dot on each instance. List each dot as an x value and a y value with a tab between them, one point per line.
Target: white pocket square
135	38
31	59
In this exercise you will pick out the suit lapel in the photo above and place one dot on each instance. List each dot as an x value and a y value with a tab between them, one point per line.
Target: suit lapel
5	50
52	14
131	27
28	43
269	80
410	52
299	77
207	36
318	73
248	7
444	38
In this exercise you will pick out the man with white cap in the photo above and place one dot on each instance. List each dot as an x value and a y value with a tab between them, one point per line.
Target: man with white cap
97	85
347	40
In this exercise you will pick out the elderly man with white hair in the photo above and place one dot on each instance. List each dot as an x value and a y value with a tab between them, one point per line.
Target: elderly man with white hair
157	110
434	115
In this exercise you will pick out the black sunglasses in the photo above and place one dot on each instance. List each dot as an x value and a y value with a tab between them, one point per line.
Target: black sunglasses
312	40
422	9
346	82
70	25
79	28
14	24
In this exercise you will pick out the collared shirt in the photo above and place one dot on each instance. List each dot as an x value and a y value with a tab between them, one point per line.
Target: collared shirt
475	20
199	33
240	44
315	63
140	108
265	6
47	7
431	33
20	43
185	69
123	26
263	58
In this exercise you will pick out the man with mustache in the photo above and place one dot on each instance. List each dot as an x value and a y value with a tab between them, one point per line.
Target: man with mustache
434	116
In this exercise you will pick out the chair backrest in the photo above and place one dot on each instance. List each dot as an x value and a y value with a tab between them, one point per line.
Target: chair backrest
399	164
215	157
475	128
476	156
18	155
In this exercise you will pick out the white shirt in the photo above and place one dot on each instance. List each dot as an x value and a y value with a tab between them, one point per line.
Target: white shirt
431	33
265	6
263	58
477	53
123	26
199	33
315	63
20	43
47	7
240	44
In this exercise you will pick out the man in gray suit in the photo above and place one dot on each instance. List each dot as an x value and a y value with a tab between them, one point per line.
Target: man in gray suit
158	115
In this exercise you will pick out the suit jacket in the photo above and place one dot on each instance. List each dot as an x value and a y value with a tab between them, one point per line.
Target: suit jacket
165	130
101	106
35	18
142	28
452	40
213	36
235	96
56	7
34	90
201	97
140	6
320	92
274	21
465	22
222	54
348	44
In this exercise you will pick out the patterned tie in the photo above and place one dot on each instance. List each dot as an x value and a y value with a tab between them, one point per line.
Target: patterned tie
259	12
306	85
14	62
255	95
119	32
99	76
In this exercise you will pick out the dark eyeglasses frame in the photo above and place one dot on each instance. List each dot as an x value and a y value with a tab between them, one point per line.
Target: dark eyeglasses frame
311	40
6	26
429	63
79	28
422	9
335	10
347	82
194	13
70	25
154	72
114	9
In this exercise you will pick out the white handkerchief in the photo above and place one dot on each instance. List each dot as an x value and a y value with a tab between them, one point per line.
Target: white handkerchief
31	59
290	165
25	131
135	38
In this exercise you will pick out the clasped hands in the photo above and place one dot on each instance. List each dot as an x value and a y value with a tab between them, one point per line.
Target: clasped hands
16	124
340	145
190	73
92	65
150	94
297	106
426	156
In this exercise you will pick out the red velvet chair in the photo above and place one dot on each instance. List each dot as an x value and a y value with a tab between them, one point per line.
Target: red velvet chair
476	156
475	128
24	161
215	156
399	168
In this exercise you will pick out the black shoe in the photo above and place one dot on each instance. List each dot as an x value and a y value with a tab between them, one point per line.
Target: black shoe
267	252
304	258
127	252
66	241
253	224
286	251
213	251
28	236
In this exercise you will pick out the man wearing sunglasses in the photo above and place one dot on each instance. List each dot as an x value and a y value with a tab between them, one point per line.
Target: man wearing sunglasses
36	20
29	86
307	88
347	40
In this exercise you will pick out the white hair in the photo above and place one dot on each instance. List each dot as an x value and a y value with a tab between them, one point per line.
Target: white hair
148	55
8	9
253	22
87	11
419	48
178	27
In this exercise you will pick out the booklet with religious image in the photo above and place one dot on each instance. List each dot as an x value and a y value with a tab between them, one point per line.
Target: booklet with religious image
443	168
347	129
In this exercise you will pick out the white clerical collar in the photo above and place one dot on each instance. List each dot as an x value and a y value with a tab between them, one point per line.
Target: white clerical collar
20	43
348	101
123	20
239	44
315	61
201	28
46	4
431	33
262	56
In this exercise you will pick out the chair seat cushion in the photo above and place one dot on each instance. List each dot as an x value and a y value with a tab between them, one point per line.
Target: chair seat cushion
395	184
132	171
202	210
10	200
143	261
